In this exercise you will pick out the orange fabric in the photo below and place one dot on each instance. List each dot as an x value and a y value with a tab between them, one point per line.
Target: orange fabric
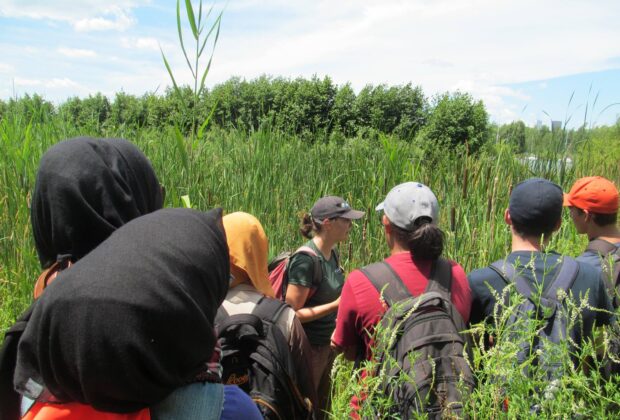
77	411
248	248
593	193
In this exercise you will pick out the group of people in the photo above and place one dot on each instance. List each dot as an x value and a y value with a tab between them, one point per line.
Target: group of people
123	324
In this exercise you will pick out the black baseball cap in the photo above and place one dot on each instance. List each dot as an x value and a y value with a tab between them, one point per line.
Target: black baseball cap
537	204
331	207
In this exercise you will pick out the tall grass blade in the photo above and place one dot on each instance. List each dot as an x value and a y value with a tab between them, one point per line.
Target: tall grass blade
180	32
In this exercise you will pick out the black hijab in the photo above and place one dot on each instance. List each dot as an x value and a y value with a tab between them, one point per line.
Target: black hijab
85	189
132	320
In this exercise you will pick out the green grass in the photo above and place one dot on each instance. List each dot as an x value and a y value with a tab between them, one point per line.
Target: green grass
276	176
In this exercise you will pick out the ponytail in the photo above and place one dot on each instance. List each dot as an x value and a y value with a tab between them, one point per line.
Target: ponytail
425	241
308	226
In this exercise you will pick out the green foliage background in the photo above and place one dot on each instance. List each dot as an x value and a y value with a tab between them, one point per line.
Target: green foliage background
277	145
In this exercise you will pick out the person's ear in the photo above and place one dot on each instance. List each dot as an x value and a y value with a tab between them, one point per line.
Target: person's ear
507	218
386	224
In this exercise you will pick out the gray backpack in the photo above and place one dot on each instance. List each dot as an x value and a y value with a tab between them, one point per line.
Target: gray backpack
610	264
549	310
430	347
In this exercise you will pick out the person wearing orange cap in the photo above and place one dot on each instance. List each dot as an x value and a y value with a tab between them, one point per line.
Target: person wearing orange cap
593	206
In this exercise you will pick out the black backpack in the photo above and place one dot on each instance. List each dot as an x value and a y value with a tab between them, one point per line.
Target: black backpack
9	398
430	348
550	310
257	358
610	264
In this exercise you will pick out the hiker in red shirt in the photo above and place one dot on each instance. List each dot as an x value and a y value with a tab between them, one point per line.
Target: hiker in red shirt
410	214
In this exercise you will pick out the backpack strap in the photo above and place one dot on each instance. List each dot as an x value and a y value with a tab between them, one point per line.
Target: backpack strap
381	274
440	279
564	279
269	309
601	246
507	273
317	270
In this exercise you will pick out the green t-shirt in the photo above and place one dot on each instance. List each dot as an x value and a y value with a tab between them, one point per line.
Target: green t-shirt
300	268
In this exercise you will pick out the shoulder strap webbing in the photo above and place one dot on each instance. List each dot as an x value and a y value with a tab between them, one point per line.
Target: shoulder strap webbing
564	279
440	279
317	270
601	246
507	272
269	309
381	274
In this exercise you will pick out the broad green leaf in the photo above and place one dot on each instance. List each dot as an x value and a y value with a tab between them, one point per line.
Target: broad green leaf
180	142
186	201
191	18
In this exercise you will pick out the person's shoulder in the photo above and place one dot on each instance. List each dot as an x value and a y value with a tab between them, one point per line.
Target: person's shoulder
238	404
482	275
457	269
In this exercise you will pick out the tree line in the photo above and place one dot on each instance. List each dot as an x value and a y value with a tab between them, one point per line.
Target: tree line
315	109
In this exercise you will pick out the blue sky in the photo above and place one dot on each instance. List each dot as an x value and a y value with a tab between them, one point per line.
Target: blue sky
524	59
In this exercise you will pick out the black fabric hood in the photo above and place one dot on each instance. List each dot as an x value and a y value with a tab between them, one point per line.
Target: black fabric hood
132	320
85	189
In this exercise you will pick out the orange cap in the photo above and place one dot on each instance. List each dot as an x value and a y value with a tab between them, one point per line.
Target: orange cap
593	193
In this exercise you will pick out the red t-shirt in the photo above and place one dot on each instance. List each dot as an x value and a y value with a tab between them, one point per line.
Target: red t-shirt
360	308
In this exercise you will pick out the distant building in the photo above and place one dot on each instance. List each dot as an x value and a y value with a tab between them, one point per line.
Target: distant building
556	125
538	124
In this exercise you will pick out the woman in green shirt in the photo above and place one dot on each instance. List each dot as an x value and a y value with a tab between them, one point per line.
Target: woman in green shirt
328	223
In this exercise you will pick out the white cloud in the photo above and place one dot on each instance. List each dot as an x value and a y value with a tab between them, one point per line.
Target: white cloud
61	83
144	43
76	52
27	82
120	21
83	15
6	68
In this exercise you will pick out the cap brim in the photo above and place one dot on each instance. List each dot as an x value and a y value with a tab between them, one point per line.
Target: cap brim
352	214
380	206
566	202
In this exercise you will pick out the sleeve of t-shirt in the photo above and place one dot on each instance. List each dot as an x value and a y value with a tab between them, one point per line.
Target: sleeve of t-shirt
479	291
238	405
461	293
300	270
345	334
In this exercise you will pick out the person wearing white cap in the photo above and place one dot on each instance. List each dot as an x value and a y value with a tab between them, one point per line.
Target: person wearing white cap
410	215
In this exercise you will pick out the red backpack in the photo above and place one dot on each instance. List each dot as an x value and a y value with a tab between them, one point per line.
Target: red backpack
278	271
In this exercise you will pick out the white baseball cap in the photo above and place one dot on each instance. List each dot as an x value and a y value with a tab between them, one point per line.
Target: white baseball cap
409	201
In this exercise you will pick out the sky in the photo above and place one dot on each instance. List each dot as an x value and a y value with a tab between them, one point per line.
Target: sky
526	60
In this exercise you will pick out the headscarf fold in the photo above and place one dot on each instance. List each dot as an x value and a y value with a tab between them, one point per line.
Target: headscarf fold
248	248
85	189
132	320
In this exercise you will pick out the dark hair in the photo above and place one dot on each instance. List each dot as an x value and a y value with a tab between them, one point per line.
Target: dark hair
602	219
529	230
425	241
308	226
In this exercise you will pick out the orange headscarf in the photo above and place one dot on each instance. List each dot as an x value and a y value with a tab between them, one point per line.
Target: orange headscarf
248	248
